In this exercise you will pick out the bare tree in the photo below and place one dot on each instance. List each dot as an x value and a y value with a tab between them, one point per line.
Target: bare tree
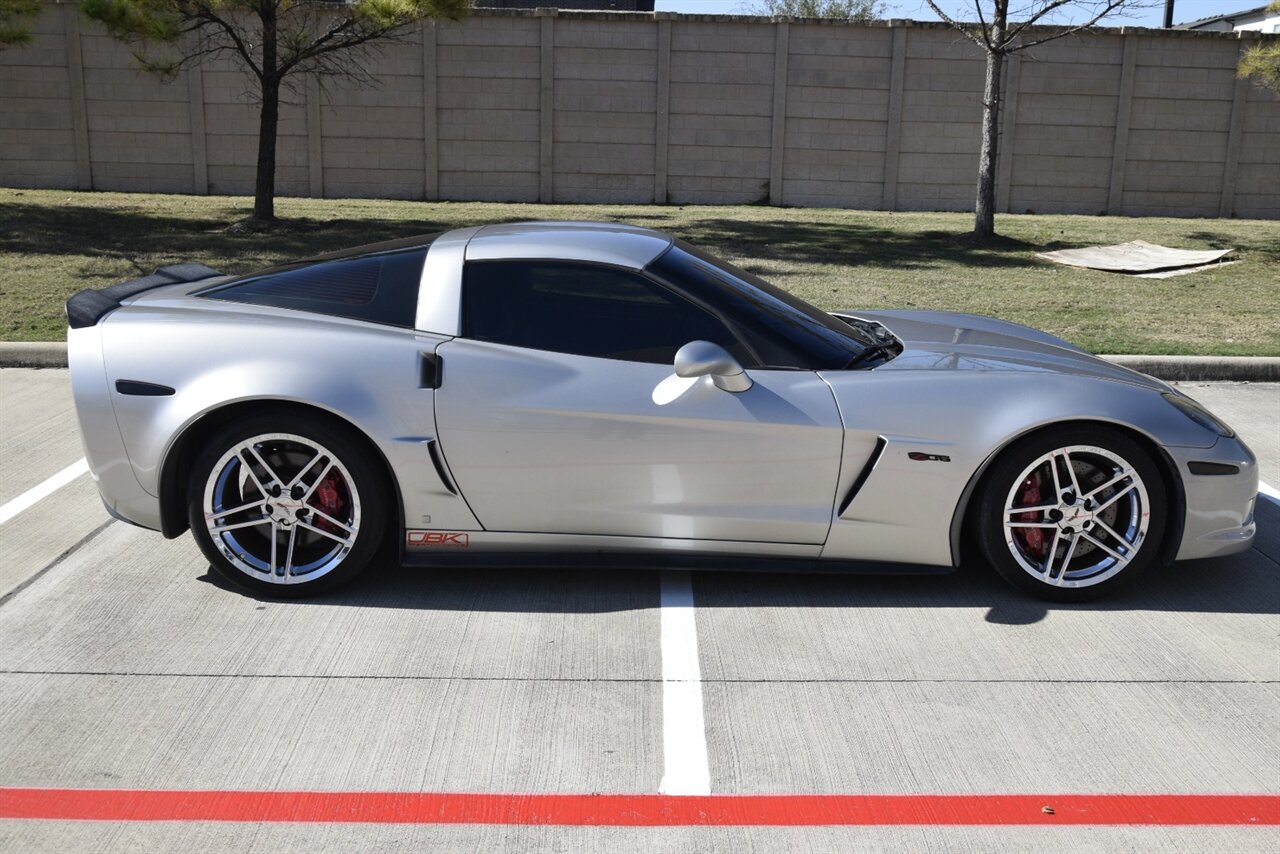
999	32
271	40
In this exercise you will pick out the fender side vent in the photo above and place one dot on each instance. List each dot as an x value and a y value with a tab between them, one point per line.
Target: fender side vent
433	450
876	453
1212	468
141	389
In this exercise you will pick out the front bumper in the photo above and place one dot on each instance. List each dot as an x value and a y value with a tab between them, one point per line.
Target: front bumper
1220	507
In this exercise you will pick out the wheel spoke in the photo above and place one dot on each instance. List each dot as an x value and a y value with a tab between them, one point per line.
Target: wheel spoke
297	478
1120	493
1110	531
1066	561
1047	566
1071	472
323	515
306	496
1121	476
1106	548
1038	508
247	465
215	516
271	473
219	529
1057	480
1031	525
271	570
288	555
346	541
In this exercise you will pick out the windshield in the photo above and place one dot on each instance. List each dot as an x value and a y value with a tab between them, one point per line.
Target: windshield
785	331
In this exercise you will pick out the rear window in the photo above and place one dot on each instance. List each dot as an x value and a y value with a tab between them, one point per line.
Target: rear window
380	288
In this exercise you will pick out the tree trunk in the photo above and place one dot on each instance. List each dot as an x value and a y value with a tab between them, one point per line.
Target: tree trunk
264	186
984	225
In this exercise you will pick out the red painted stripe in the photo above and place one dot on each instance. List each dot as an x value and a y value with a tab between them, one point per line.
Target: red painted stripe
634	810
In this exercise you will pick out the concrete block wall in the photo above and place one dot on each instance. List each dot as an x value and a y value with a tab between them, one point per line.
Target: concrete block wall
1254	191
1065	129
720	101
605	101
837	114
41	143
488	108
684	109
371	137
139	133
1180	121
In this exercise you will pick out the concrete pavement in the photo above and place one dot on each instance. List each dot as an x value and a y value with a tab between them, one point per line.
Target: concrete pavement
124	664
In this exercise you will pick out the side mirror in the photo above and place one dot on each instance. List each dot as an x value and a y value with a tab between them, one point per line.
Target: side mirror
702	358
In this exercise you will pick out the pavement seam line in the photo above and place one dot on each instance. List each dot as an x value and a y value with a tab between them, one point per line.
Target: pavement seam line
685	770
1269	492
137	674
42	490
79	544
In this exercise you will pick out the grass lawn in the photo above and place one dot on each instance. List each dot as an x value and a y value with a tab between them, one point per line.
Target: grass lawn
53	243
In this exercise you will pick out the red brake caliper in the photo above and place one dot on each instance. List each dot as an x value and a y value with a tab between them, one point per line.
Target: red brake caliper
1032	538
328	498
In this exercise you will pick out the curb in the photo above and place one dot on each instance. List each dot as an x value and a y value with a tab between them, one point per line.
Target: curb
1254	369
1257	369
33	354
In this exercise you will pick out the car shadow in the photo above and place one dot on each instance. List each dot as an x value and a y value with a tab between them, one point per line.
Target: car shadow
1248	583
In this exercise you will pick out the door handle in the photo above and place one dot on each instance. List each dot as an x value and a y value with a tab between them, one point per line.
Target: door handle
430	370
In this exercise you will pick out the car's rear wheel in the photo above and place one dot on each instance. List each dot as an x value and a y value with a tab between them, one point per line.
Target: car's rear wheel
287	509
1072	513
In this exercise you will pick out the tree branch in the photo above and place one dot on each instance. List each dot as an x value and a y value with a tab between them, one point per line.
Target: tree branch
1055	5
317	46
980	42
208	15
1111	6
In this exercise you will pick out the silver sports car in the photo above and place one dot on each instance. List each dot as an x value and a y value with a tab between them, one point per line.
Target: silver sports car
553	393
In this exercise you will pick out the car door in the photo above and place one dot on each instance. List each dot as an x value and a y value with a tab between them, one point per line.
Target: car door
559	412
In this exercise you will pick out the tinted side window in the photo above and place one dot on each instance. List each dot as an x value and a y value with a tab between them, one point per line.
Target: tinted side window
585	310
378	288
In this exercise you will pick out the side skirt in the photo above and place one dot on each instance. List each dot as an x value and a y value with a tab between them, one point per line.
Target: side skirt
658	560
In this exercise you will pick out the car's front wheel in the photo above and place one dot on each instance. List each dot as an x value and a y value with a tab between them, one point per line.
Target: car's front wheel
287	509
1072	513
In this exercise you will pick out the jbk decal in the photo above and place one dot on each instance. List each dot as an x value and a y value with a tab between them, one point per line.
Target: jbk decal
438	538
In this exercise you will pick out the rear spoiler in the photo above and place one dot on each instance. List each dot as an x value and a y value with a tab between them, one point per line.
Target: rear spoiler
88	306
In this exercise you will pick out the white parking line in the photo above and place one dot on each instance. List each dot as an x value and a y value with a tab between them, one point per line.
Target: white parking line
1270	492
684	736
43	489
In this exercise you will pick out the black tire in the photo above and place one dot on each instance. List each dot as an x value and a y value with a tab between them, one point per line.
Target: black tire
1076	579
367	513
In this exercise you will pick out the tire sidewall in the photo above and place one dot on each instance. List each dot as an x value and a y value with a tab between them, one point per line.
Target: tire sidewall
359	461
998	482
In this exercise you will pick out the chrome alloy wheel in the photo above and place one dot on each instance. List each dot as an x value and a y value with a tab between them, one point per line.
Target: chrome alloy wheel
1076	516
281	508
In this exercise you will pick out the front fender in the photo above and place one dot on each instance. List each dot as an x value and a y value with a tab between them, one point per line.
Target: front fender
905	507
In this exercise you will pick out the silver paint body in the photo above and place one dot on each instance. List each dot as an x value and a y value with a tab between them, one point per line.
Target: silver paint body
560	452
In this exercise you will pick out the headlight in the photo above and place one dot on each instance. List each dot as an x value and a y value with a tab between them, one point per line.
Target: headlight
1199	414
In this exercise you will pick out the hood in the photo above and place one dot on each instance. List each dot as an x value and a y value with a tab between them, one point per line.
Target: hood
950	341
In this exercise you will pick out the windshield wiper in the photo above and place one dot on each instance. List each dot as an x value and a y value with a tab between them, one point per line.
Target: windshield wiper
881	348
